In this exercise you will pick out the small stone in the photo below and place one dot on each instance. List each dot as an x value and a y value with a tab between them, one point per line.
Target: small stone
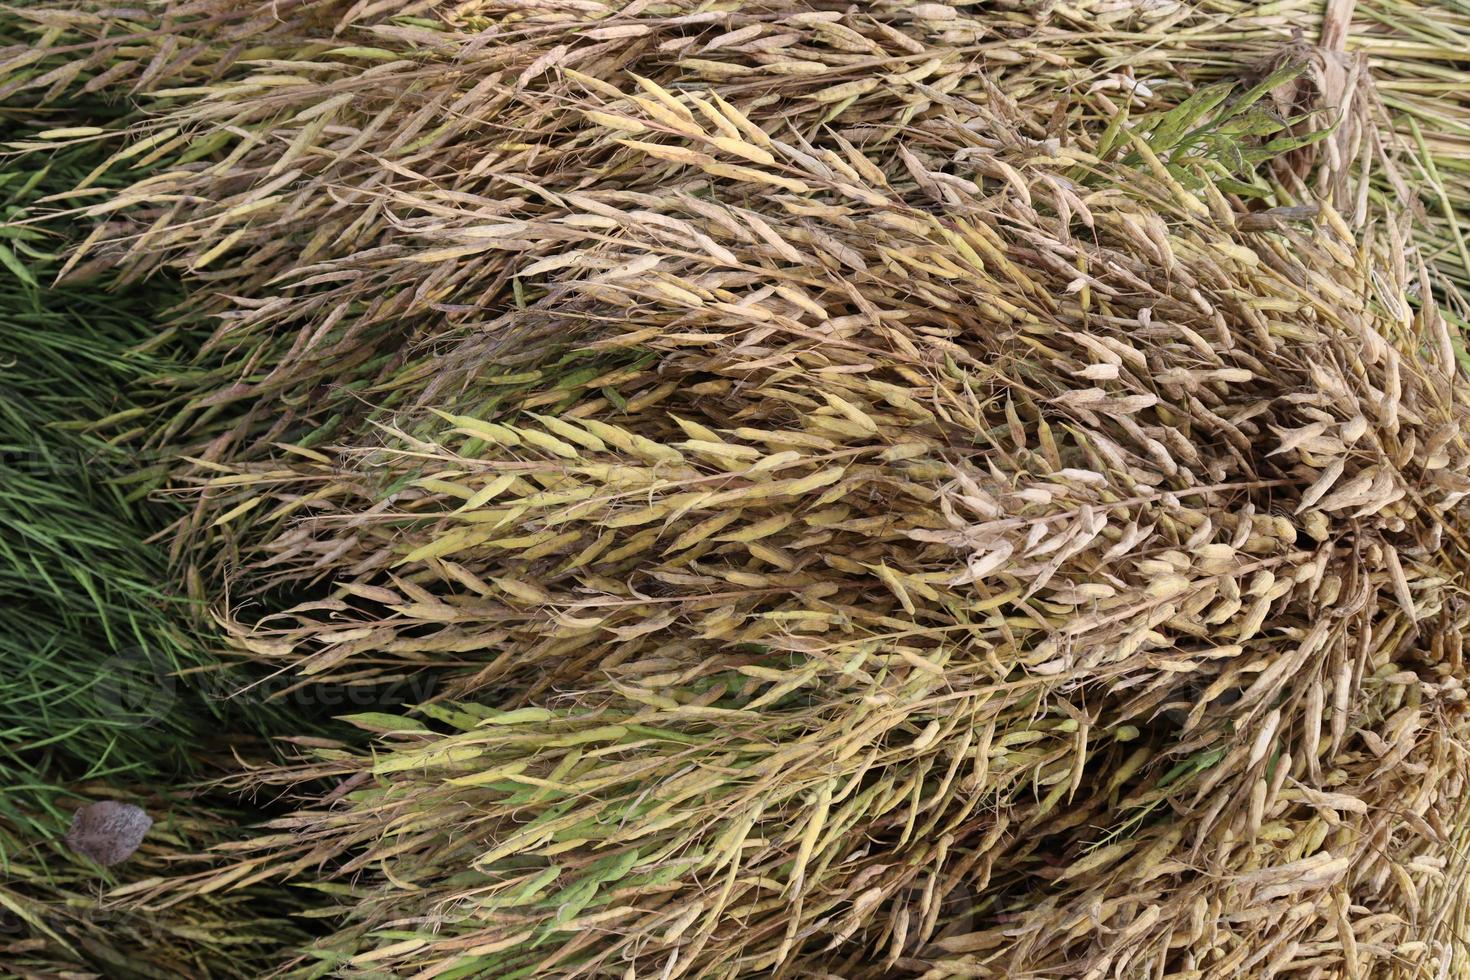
108	832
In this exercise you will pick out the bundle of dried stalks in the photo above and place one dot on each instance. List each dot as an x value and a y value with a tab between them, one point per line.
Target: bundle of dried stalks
879	505
1127	611
301	174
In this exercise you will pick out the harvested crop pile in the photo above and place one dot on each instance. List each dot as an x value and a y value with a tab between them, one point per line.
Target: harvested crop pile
1416	51
1419	53
870	509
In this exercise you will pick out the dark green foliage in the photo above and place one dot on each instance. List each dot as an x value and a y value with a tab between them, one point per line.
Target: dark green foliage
92	702
91	636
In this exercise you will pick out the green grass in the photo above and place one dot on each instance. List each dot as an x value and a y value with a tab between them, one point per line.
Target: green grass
93	638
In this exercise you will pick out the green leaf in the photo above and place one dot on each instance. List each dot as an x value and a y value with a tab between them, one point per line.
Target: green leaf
1277	78
1253	122
1196	763
1172	126
1286	144
462	720
377	720
1112	137
17	268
